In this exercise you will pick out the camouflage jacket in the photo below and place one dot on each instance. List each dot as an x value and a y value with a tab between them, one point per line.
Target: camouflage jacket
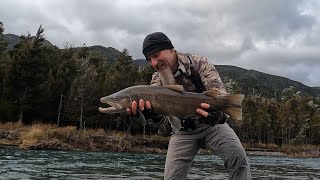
207	72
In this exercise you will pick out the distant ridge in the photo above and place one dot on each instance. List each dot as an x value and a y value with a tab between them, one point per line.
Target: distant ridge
141	62
264	83
248	80
14	39
110	52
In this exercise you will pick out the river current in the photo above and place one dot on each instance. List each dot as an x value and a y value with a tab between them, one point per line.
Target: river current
30	164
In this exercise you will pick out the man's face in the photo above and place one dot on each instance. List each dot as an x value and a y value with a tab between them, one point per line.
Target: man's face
164	59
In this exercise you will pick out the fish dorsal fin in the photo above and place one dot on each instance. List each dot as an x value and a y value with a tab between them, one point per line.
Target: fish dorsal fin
212	93
178	88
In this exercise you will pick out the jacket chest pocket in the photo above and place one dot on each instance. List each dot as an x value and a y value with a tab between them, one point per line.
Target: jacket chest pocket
186	83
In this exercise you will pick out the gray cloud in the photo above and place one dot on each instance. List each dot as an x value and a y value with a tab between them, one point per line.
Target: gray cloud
275	37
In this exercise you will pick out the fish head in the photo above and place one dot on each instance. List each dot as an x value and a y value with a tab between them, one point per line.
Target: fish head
118	102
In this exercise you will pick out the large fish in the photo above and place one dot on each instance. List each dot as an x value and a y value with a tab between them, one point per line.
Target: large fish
173	100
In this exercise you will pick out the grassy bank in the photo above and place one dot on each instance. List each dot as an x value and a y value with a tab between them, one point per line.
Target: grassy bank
47	136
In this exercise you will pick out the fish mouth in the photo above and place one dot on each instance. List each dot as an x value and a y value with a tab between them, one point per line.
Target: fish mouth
113	106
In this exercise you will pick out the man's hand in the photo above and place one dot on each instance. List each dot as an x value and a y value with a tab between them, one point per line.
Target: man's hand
211	113
145	109
203	112
142	106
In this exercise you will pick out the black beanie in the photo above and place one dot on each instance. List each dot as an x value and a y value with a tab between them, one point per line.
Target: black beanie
155	42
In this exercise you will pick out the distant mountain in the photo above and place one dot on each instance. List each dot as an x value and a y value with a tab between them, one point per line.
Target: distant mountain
13	39
267	84
110	53
248	80
141	62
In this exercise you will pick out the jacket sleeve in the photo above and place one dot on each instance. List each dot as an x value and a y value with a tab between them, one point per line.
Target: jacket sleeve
210	76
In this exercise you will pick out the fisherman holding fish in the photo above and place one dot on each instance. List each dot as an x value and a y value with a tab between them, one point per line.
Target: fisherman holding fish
207	127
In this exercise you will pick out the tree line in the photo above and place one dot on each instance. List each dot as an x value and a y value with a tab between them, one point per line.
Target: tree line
42	83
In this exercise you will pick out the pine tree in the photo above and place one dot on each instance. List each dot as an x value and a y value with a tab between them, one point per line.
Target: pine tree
6	107
3	43
3	46
30	64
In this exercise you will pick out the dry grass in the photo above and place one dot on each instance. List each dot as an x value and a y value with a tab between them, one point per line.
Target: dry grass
92	132
261	145
9	126
154	137
35	133
49	136
295	149
68	134
64	134
38	132
30	135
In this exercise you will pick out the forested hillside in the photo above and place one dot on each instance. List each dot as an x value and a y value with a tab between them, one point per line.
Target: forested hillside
42	83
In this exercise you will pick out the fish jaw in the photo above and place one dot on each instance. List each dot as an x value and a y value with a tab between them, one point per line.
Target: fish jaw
116	106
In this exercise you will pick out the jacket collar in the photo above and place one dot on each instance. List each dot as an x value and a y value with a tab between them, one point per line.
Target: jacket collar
185	64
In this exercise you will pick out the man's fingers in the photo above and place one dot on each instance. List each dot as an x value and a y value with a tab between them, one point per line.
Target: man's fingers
148	105
205	105
202	112
129	111
134	107
141	105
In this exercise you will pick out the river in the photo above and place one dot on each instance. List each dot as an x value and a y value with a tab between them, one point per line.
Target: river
31	164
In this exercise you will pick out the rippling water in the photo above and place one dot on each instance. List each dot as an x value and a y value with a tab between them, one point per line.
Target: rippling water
26	164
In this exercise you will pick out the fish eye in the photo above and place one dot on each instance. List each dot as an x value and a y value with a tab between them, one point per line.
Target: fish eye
114	98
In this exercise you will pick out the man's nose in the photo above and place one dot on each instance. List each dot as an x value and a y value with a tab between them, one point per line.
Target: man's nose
153	62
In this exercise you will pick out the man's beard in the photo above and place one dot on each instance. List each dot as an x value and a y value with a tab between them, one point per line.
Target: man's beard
166	75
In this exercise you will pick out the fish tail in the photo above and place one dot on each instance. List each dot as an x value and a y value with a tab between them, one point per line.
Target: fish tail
235	110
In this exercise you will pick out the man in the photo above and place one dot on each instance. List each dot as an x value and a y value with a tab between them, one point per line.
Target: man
195	74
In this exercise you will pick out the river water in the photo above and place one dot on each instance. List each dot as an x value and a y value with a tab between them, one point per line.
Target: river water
28	164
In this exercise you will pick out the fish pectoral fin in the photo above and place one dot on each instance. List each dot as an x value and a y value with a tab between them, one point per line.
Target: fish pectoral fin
177	88
175	123
142	119
212	93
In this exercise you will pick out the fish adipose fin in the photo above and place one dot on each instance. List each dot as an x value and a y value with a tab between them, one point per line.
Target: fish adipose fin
177	88
234	110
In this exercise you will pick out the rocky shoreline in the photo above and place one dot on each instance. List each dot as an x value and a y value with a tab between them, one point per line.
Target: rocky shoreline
54	138
54	145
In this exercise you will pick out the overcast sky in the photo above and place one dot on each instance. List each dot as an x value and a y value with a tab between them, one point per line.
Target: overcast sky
279	37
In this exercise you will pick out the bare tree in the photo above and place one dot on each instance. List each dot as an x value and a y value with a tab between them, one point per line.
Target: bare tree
82	90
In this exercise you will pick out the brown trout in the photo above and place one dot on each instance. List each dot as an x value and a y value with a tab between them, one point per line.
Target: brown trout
173	100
